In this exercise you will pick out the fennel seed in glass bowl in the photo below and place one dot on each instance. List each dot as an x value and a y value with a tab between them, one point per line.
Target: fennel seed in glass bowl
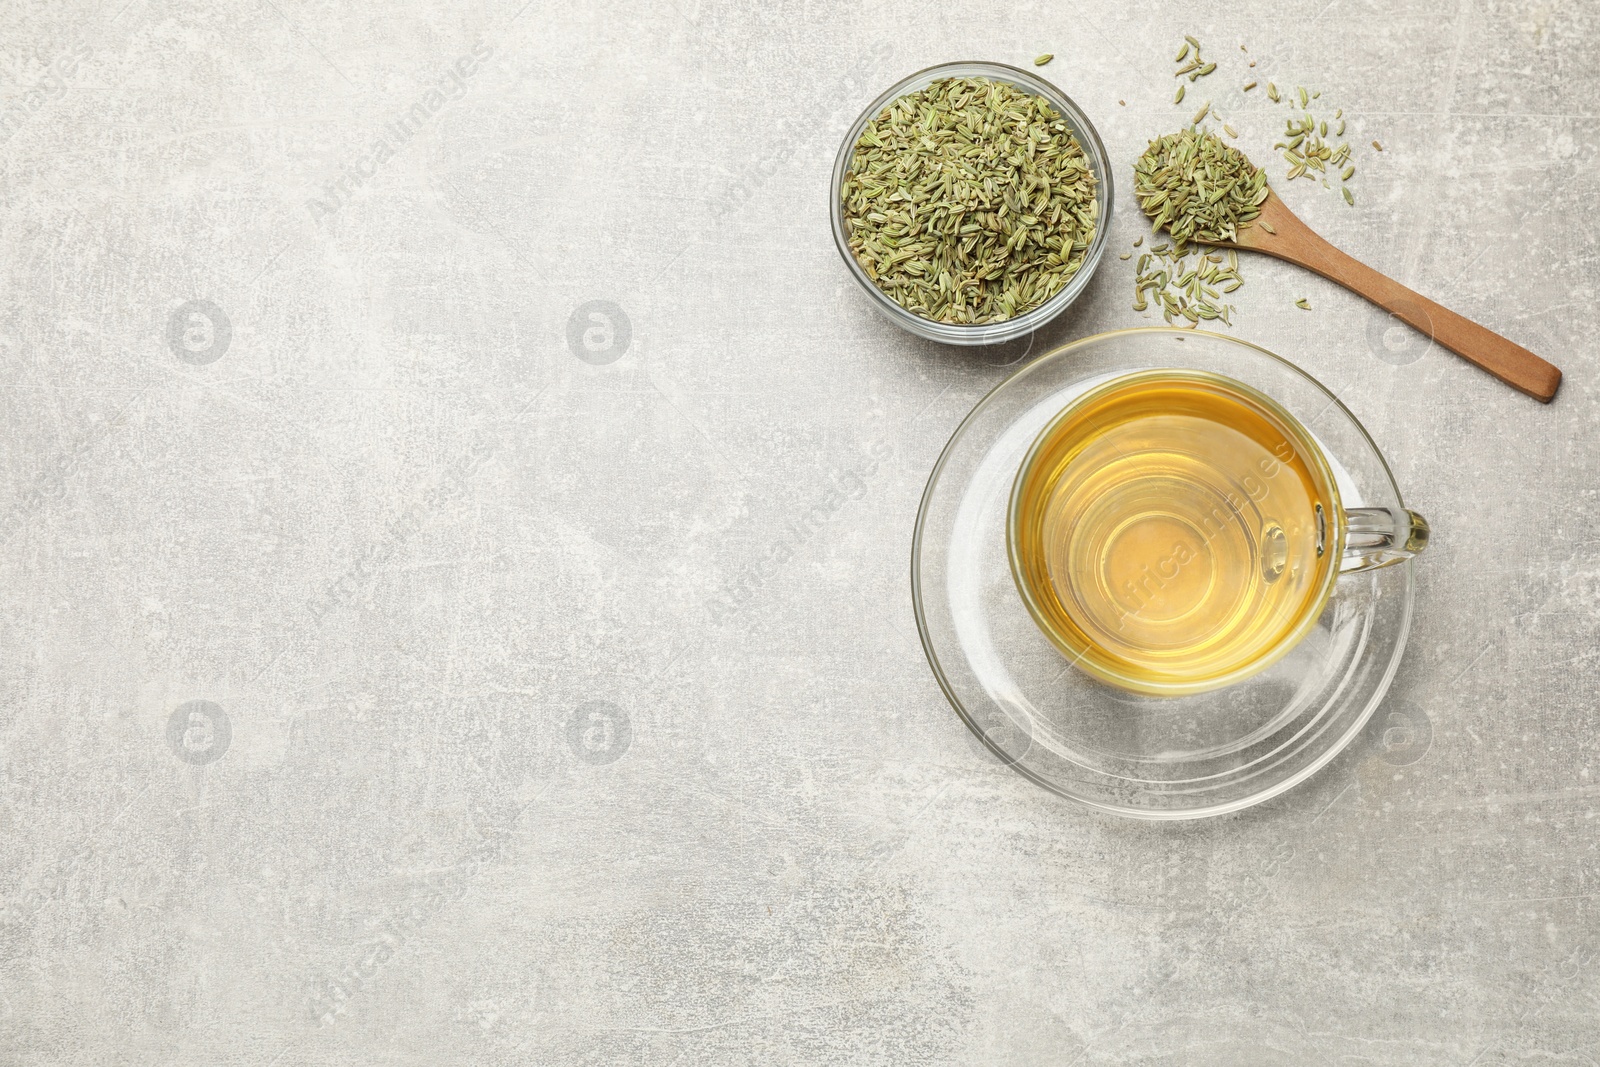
969	200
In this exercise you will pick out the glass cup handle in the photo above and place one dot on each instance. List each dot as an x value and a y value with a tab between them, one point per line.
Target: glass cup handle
1377	537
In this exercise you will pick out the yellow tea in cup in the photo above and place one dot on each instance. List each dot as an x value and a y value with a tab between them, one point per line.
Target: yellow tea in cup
1173	531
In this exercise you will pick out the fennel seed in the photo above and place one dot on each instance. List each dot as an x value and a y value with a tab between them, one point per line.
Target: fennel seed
1198	188
969	201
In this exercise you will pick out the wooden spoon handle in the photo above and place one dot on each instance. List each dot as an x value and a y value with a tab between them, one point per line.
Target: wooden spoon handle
1504	359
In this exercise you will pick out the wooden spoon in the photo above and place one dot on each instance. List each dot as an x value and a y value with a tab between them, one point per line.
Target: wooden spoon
1295	242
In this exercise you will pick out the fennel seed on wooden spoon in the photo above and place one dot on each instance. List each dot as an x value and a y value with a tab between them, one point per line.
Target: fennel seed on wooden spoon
1197	187
1205	192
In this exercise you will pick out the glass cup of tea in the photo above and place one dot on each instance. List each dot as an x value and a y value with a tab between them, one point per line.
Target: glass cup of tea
1174	531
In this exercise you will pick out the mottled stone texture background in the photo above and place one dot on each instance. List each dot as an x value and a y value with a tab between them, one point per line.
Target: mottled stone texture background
407	654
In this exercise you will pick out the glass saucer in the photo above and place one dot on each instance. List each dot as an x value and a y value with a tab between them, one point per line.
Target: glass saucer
1146	757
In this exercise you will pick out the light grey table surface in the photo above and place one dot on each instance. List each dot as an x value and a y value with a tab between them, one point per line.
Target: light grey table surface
373	681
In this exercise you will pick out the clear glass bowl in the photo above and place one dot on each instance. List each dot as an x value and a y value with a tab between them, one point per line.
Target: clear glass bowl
1153	757
1099	165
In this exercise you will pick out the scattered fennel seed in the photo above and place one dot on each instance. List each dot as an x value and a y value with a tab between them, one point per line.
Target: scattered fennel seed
1196	67
1201	114
1040	61
1248	86
1309	154
1272	92
1126	255
1265	225
1349	197
1303	304
1178	97
1186	287
1378	146
1229	130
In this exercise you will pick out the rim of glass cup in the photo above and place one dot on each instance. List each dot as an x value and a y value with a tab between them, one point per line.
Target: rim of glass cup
1099	163
932	656
1289	638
